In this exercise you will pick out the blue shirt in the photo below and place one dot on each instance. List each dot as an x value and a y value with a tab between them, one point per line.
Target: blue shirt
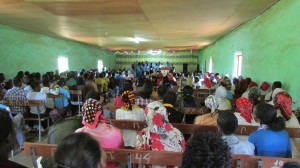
58	101
271	143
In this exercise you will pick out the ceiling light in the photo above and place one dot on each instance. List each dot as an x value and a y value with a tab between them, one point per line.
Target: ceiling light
136	40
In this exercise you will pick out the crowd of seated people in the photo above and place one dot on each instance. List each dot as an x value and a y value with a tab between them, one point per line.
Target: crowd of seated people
159	104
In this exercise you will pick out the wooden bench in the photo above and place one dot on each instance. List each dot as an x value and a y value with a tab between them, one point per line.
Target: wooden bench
78	94
268	162
158	157
204	92
187	111
192	128
29	103
59	96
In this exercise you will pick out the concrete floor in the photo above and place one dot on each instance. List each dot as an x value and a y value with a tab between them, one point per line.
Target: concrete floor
19	155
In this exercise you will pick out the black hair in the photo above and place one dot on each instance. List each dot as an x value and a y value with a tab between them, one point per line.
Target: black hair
2	77
127	86
196	79
147	89
291	165
93	95
277	84
26	73
34	84
101	75
45	77
79	81
248	80
268	116
85	75
188	94
8	85
61	82
6	134
161	90
37	76
206	149
20	74
6	126
17	81
46	82
227	122
170	97
78	150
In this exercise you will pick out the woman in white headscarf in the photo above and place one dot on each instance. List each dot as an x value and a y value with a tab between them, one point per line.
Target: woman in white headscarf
215	104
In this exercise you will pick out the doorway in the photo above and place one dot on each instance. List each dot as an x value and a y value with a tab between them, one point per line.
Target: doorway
185	68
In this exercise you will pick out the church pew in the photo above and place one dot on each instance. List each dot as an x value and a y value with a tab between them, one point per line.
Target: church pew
29	103
192	128
128	155
204	92
268	162
160	157
187	111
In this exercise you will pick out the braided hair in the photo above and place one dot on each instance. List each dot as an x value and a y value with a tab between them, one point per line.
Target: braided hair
227	122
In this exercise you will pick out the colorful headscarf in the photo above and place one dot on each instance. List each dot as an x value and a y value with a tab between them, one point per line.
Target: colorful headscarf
92	113
284	102
207	82
128	105
264	86
212	103
244	106
159	133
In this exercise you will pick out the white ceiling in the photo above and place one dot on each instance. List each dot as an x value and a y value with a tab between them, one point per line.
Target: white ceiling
160	24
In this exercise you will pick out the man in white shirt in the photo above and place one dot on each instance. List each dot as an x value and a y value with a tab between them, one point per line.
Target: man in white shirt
37	95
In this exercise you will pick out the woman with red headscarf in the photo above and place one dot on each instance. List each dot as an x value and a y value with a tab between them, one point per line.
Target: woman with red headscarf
94	123
244	114
282	101
207	84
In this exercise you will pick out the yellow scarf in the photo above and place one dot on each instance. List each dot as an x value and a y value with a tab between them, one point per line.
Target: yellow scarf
168	105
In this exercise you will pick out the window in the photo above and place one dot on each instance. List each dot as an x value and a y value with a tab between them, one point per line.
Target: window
100	65
63	64
238	64
210	65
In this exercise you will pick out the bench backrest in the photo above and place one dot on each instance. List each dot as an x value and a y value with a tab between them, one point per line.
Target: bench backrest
162	157
22	102
192	128
116	155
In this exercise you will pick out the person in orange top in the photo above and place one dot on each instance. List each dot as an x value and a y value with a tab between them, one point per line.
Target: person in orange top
215	104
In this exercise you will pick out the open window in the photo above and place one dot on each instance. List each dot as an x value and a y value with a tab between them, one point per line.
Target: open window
210	69
238	64
100	65
63	64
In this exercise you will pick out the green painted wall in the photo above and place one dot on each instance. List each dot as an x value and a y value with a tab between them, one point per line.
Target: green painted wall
27	51
270	45
177	58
